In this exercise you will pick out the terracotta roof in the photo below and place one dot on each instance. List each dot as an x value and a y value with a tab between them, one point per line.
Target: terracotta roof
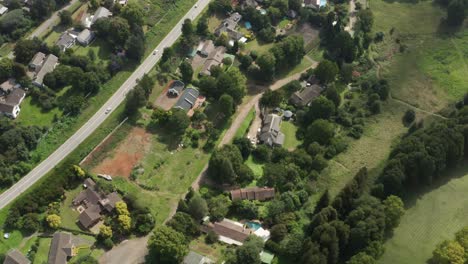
254	193
15	257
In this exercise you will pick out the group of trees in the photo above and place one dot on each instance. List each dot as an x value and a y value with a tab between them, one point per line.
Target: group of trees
452	251
425	155
227	166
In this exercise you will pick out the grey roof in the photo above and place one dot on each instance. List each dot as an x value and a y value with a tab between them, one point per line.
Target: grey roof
85	36
101	12
287	114
89	183
251	3
109	202
15	257
61	248
270	133
48	66
195	258
306	95
9	85
88	196
65	41
207	48
37	60
229	24
188	99
215	58
11	100
176	88
90	216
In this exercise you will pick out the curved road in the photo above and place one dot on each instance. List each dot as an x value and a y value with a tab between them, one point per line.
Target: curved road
89	127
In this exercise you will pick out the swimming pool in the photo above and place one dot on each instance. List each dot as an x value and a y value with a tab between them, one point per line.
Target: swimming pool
253	225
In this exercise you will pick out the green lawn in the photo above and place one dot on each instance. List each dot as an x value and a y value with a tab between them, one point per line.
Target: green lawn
257	168
244	127
283	23
32	114
289	130
214	251
100	48
43	251
431	218
69	216
13	241
254	45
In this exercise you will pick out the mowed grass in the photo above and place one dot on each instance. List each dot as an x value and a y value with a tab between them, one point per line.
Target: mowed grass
68	215
43	251
370	151
32	114
430	218
432	70
289	130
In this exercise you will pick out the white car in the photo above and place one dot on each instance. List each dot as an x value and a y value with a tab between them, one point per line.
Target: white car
108	110
196	5
154	52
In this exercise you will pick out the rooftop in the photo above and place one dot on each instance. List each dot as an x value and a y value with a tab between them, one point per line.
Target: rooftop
306	95
253	193
61	248
187	99
15	257
270	133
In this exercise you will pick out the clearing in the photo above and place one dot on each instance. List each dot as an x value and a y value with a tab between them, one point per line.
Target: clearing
431	217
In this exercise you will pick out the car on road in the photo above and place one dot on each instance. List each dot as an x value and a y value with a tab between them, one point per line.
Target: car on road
108	110
196	5
154	52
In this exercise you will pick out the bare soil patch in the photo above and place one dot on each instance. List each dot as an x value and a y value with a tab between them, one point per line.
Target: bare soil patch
165	102
127	154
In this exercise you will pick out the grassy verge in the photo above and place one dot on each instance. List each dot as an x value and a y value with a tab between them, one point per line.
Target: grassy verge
431	217
244	127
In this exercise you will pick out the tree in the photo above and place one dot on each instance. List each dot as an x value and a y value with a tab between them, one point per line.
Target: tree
185	224
218	207
167	246
202	27
105	232
462	238
409	116
118	31
25	49
86	260
178	121
197	207
394	210
227	105
244	145
456	12
249	252
267	63
121	208
73	105
65	18
41	9
343	48
187	71
278	232
448	252
323	202
135	47
15	24
136	98
320	131
366	20
333	95
6	69
326	71
54	221
361	258
272	98
125	223
320	108
133	13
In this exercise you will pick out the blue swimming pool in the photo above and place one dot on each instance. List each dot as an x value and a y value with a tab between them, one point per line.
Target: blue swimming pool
253	225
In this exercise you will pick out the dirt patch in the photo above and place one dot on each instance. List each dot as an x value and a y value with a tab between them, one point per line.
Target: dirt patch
126	155
165	102
308	32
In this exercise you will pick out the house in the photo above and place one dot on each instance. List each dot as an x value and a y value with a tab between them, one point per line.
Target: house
3	10
228	26
101	12
271	134
85	37
175	88
306	95
215	58
91	203
41	69
315	4
205	48
36	62
15	257
61	248
10	102
65	41
291	14
229	232
8	86
254	193
188	99
249	3
195	258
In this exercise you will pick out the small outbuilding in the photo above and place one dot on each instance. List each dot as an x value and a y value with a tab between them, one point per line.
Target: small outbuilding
175	88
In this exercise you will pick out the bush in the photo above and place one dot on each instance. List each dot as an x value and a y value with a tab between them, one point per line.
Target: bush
227	61
409	116
211	237
262	153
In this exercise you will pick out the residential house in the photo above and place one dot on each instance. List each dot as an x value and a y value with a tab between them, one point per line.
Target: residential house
65	41
195	258
41	68
62	248
188	99
205	48
271	134
85	37
175	88
254	193
229	232
91	204
306	95
3	9
215	58
228	26
315	4
15	257
101	12
11	96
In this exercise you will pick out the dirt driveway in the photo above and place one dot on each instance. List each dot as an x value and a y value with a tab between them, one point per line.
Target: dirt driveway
165	102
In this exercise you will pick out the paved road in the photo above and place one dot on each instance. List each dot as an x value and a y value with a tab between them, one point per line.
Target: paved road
88	128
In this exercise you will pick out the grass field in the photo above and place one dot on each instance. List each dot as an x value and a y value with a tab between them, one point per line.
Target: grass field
43	251
69	216
32	114
289	130
430	218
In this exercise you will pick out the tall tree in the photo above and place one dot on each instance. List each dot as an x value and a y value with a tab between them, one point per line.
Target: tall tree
326	71
456	12
187	71
133	13
167	246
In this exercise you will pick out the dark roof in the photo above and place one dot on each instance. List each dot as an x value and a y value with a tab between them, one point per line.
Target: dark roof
87	196
215	58
306	95
37	59
89	183
254	193
9	101
195	258
187	99
291	14
270	133
230	230
176	87
109	202
61	248
229	24
15	257
65	41
207	47
90	216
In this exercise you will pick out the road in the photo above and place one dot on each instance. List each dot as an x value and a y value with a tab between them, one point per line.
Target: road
97	119
352	17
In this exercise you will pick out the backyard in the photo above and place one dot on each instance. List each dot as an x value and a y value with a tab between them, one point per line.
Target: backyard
290	140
